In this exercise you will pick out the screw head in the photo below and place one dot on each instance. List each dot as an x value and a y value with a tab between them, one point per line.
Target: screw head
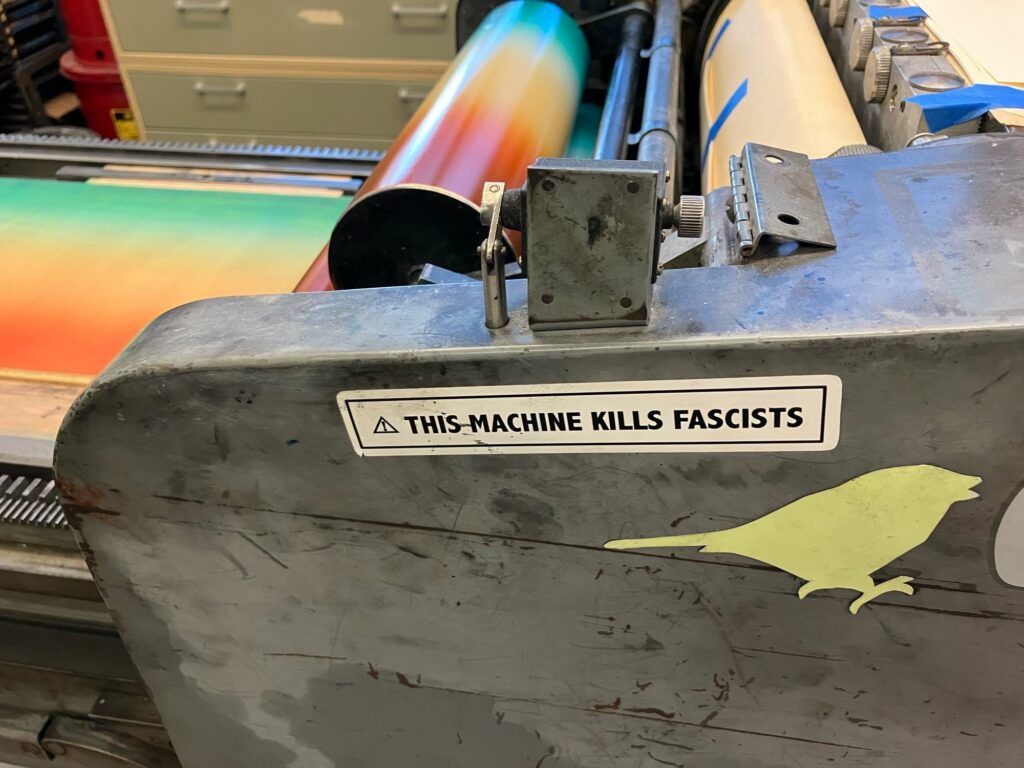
837	12
633	187
877	72
861	44
689	216
548	185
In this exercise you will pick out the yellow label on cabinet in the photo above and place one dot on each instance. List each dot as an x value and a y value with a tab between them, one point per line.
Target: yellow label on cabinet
124	124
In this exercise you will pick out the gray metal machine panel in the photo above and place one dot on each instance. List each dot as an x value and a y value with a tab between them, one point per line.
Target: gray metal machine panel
289	603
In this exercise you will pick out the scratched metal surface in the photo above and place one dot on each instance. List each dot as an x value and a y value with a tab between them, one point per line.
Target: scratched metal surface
290	604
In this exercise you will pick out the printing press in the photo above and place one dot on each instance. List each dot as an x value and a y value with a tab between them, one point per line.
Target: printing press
702	447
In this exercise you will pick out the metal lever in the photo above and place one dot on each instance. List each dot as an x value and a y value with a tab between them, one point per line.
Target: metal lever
219	6
398	10
202	89
930	48
492	257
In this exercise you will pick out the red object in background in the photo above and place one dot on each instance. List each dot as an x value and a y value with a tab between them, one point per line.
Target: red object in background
318	276
99	88
509	97
88	33
92	67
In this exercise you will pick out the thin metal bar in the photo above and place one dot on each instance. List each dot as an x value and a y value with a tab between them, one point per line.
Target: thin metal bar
33	512
54	515
618	106
658	132
42	156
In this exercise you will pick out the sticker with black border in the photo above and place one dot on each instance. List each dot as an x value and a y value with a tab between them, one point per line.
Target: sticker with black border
751	415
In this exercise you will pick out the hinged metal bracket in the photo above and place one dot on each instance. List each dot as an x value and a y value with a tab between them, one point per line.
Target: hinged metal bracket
774	193
492	256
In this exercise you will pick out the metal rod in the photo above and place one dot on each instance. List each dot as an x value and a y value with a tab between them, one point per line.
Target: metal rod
661	100
618	106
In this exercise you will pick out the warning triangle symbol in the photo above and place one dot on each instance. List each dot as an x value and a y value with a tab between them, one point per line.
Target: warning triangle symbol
384	427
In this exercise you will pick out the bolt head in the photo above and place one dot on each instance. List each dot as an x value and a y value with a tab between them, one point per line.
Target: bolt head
689	215
877	72
837	12
861	44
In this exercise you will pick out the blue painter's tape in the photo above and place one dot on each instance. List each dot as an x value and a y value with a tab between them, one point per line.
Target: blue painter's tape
902	12
942	110
730	105
718	36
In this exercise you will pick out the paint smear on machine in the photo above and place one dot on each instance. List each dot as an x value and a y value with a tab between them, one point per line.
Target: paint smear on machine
1009	546
325	17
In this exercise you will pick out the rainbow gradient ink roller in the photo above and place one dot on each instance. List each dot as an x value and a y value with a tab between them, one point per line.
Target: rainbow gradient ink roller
509	97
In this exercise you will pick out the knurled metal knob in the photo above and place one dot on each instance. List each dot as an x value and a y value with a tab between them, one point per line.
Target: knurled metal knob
876	73
861	44
690	216
837	12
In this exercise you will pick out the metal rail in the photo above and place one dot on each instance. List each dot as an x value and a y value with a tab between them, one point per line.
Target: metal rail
659	130
618	107
38	156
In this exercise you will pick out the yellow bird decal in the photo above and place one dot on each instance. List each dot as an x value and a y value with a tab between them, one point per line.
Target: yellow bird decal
836	538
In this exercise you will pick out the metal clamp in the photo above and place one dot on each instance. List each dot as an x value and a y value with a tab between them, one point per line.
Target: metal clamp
202	89
930	48
198	6
439	12
492	257
899	21
774	193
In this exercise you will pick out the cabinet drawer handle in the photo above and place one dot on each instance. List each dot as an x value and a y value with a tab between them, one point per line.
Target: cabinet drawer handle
407	94
202	89
209	6
439	12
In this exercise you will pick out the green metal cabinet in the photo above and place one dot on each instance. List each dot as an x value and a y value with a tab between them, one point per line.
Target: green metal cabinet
334	73
410	29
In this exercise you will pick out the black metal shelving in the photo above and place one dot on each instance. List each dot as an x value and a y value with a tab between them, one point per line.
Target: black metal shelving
32	40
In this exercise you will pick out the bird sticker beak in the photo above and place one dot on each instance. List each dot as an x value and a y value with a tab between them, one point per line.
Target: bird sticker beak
838	537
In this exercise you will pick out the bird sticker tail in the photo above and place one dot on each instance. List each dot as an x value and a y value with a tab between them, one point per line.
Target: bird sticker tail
703	540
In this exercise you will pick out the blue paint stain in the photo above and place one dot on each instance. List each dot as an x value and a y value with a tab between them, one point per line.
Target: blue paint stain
718	36
734	100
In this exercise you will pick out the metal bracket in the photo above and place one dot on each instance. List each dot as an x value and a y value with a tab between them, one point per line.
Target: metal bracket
492	256
593	232
899	21
774	193
930	48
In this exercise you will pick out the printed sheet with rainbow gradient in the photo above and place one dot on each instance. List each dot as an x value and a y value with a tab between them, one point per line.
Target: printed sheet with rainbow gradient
83	268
